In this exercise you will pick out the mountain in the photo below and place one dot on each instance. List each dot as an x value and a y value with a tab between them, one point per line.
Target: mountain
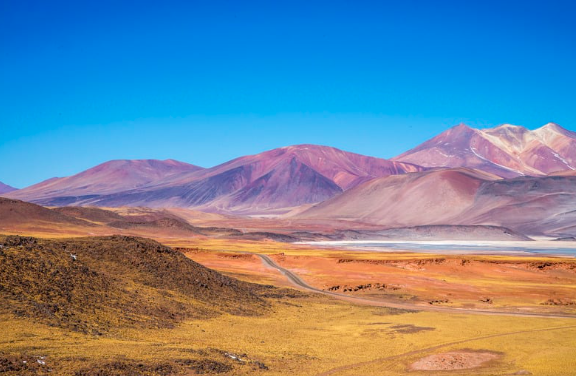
433	197
106	178
507	150
280	178
529	205
265	182
4	188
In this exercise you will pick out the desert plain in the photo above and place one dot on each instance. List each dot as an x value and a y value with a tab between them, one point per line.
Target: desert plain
454	258
331	311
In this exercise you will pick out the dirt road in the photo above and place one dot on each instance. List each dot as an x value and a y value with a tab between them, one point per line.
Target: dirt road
389	361
297	281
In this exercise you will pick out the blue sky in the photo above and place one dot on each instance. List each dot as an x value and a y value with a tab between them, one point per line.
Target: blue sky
206	81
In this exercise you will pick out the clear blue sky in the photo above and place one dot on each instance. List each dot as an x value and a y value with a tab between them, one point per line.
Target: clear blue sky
83	82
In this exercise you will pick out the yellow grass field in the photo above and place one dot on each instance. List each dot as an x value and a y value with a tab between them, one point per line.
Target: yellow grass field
317	335
314	334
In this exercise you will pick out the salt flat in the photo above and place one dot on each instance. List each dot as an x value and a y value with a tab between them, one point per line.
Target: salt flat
545	247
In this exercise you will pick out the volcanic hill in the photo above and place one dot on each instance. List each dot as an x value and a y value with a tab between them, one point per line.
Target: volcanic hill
101	284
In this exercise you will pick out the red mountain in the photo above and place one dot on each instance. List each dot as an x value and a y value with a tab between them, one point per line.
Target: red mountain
4	188
276	179
106	178
506	151
530	205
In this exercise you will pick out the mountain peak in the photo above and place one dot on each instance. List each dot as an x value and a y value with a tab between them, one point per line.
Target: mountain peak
136	162
509	126
553	127
461	126
109	177
460	129
506	129
5	188
301	147
345	168
553	130
308	148
506	150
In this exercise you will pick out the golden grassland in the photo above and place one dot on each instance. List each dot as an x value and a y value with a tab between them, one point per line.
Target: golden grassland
309	336
315	334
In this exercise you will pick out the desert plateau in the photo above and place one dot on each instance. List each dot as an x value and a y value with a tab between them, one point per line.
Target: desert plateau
300	188
363	280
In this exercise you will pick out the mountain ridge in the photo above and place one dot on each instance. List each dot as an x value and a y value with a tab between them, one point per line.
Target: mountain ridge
506	150
108	177
285	179
273	180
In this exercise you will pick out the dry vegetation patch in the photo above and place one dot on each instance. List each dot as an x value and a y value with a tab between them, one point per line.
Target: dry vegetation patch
22	365
409	328
130	368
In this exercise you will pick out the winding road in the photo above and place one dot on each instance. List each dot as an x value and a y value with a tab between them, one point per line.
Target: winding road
393	359
297	281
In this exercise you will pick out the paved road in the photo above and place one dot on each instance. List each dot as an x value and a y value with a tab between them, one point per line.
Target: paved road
297	281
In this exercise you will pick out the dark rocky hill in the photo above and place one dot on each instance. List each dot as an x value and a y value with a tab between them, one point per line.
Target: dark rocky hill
95	285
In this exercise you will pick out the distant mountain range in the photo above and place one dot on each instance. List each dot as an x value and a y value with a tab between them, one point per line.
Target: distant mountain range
505	176
273	180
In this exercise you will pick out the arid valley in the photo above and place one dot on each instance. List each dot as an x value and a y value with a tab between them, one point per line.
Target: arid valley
299	188
248	277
